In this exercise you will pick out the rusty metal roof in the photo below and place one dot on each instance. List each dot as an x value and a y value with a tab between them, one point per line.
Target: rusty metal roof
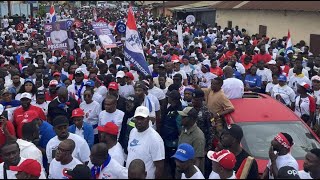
170	4
269	5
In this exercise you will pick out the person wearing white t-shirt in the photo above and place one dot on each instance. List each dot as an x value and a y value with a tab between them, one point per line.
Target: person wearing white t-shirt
77	88
105	167
125	90
146	144
111	113
91	110
147	100
58	35
60	125
63	160
280	156
223	163
232	87
177	70
283	93
311	165
10	155
298	78
184	158
205	76
270	85
108	135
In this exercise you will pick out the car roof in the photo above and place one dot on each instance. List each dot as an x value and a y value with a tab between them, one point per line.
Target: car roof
256	107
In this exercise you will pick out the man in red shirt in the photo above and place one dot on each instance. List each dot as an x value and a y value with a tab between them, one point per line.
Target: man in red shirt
19	115
262	56
49	96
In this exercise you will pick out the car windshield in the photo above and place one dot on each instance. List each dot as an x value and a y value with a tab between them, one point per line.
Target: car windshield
257	138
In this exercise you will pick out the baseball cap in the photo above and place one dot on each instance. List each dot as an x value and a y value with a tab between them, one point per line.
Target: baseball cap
235	131
28	80
282	78
129	75
90	83
81	171
79	71
56	74
6	90
188	111
46	76
174	94
272	62
141	111
288	172
109	128
60	120
40	94
305	85
29	116
77	113
28	166
184	152
53	83
315	78
206	66
26	95
225	158
198	93
120	74
114	86
289	51
141	85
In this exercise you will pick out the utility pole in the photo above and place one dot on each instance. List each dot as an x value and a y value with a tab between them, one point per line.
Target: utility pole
9	8
163	9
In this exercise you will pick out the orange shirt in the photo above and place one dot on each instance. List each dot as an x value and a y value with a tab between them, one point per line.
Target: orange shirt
217	71
247	66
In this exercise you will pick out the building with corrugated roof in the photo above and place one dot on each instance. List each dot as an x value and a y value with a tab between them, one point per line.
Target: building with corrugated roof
274	18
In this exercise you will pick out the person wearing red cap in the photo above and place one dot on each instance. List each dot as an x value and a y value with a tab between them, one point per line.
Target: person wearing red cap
113	89
81	128
28	169
305	104
108	134
223	163
57	76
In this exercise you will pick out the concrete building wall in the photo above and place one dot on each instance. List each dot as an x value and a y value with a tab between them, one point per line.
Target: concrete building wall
301	24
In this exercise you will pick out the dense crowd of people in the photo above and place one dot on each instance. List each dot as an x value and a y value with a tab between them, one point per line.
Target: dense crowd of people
87	112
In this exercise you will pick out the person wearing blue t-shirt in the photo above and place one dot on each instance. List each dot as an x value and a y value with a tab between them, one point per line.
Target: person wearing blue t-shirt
253	81
7	100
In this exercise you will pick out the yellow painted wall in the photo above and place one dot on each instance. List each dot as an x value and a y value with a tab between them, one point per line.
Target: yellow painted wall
301	24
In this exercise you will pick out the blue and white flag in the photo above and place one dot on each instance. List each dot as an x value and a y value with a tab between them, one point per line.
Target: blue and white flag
289	47
133	50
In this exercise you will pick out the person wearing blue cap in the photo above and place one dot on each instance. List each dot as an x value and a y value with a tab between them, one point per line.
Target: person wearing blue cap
186	66
205	76
283	93
184	158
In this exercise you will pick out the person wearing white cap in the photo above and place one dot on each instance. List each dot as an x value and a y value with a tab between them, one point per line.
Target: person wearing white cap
316	94
146	144
125	90
305	105
77	88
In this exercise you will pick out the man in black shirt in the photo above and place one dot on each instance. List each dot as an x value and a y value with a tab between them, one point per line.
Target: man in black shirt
62	105
230	139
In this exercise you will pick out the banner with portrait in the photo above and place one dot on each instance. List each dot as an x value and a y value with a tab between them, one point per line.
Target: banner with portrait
105	36
57	35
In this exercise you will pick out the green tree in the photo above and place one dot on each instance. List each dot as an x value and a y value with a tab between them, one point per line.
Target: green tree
42	11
